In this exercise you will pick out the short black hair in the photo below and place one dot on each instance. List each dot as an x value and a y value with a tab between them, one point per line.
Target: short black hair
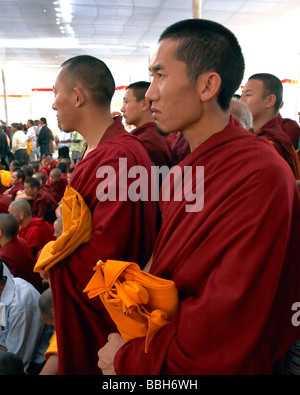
20	173
209	46
272	86
139	89
94	75
33	182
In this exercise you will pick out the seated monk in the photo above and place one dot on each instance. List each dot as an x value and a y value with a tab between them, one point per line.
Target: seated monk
16	182
41	199
57	183
35	231
50	163
16	253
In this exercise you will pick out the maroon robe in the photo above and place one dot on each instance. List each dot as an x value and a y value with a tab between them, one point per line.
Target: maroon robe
37	233
59	188
180	148
121	231
236	265
280	140
18	257
291	128
45	204
15	189
156	145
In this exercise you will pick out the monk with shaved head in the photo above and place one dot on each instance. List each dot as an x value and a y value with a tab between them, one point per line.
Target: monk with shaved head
34	230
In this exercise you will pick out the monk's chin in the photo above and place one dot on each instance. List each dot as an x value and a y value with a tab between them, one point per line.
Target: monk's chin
161	132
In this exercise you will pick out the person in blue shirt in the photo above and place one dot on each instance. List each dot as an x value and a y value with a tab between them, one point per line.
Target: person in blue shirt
22	332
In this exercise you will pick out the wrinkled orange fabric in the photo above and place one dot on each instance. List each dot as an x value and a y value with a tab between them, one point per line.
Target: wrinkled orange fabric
5	177
52	349
139	303
77	229
29	147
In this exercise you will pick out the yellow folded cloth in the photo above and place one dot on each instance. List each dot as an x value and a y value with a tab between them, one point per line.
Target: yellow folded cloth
5	177
139	303
77	229
52	349
29	147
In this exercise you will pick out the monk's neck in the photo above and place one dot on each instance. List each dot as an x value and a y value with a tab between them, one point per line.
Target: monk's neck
94	130
205	128
25	222
259	122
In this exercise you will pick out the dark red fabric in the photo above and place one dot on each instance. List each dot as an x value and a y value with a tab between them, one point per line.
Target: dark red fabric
236	265
18	257
37	233
180	148
121	230
291	128
5	201
45	204
282	143
59	188
15	189
156	145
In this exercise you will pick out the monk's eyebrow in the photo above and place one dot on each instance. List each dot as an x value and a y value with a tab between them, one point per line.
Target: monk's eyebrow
156	67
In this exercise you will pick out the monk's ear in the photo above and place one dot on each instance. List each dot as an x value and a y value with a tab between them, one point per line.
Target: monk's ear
270	100
145	105
78	96
208	85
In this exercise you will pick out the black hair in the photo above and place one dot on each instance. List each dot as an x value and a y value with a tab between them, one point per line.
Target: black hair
94	75
272	85
209	46
139	89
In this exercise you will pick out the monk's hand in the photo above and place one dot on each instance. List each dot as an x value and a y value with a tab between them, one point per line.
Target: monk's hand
107	353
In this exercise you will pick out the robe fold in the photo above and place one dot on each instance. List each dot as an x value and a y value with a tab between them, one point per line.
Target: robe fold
45	204
291	128
273	132
122	230
37	233
59	188
15	189
156	145
235	264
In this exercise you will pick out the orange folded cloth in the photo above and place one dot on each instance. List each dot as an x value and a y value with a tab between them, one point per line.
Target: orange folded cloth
5	177
29	147
52	349
139	303
77	229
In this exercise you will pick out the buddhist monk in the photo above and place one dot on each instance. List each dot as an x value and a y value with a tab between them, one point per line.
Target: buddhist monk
236	261
34	230
137	112
57	183
17	183
121	229
16	253
41	199
263	95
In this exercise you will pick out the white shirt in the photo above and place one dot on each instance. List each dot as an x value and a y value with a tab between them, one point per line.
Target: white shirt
22	331
31	135
63	136
19	141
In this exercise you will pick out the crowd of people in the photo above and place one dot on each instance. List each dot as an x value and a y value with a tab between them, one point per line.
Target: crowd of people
235	263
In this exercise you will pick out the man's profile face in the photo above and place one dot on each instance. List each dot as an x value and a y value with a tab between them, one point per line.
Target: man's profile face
62	101
30	191
175	103
254	96
14	178
131	108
